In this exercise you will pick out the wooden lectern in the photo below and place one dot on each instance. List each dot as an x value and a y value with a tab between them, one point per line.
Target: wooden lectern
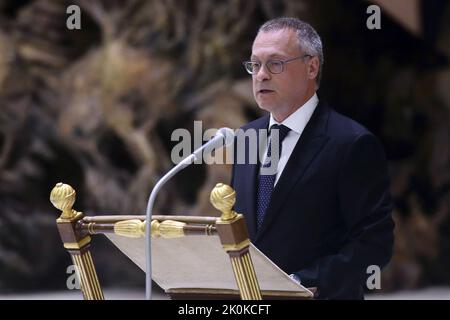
177	241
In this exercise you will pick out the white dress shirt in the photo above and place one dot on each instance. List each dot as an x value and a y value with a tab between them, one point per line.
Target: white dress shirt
297	123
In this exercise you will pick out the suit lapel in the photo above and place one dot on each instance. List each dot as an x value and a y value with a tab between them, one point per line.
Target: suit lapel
251	182
308	146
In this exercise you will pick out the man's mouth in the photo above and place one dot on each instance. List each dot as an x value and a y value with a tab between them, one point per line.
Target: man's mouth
264	91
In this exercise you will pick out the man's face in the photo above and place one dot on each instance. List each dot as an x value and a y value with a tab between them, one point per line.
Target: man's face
280	93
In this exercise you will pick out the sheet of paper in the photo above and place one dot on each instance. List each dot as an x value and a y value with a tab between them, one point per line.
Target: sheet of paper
201	262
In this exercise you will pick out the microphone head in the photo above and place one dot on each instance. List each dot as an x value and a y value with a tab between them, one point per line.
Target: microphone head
223	138
227	134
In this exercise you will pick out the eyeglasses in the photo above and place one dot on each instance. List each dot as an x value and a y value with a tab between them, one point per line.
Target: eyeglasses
274	66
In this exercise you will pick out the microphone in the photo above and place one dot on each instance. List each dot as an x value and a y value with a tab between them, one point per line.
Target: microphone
223	137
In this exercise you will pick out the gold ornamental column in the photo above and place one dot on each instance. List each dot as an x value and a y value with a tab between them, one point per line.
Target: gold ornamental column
234	238
75	240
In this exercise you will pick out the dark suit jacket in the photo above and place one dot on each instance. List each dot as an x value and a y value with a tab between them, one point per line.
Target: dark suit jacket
329	217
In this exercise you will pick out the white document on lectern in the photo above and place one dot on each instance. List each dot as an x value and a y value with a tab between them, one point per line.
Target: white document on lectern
200	262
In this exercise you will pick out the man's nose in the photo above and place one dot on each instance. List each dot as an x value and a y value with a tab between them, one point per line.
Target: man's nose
263	73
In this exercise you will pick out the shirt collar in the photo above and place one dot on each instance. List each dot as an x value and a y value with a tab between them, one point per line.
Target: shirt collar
298	120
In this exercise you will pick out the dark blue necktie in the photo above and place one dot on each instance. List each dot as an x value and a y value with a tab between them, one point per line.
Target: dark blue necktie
266	181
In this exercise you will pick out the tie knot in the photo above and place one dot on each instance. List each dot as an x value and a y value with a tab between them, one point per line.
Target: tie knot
282	131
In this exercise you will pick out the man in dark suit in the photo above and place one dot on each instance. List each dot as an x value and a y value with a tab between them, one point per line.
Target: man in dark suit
324	216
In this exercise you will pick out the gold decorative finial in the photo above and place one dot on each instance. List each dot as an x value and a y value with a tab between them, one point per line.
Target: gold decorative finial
63	198
223	198
167	229
136	228
130	228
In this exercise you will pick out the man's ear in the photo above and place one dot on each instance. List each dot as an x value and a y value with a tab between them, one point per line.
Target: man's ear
313	67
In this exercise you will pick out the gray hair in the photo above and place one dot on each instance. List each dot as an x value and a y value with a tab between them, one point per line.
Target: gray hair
308	38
